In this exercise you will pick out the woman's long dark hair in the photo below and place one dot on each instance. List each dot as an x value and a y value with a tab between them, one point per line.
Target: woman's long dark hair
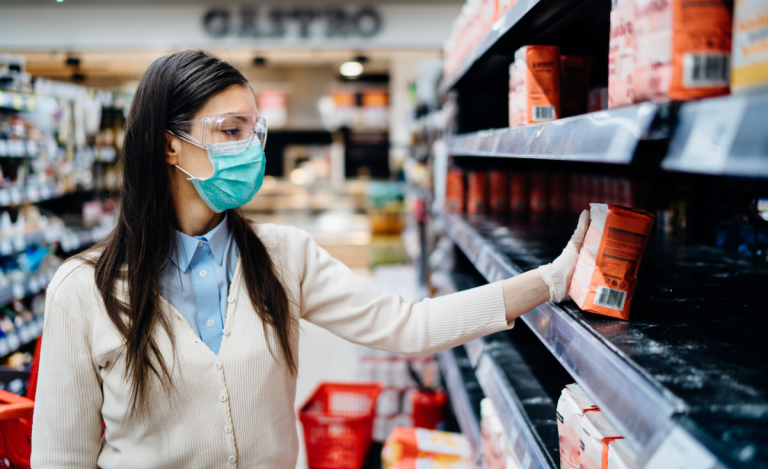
173	89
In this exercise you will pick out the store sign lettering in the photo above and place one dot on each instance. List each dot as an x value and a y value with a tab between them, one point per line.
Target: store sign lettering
274	23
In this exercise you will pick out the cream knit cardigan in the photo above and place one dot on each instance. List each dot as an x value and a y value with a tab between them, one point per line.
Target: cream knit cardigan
231	410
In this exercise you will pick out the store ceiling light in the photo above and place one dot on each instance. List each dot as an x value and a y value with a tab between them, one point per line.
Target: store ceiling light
351	69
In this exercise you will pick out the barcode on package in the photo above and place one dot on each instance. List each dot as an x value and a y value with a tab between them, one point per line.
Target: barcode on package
610	298
706	69
542	113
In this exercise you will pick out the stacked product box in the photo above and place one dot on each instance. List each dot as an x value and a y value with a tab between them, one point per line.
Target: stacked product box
621	53
497	452
749	61
534	85
419	448
683	49
397	401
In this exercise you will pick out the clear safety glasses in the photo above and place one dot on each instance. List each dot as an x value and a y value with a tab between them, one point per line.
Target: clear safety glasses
242	129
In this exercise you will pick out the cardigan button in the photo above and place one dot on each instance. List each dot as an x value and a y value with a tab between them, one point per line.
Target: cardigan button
231	459
225	331
228	429
230	299
222	398
217	366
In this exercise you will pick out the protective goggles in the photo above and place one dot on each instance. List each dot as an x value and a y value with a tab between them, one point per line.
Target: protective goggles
244	129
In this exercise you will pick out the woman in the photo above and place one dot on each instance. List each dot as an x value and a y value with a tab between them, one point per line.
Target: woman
180	330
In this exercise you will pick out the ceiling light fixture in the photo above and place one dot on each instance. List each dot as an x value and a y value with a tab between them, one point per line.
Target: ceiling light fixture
351	69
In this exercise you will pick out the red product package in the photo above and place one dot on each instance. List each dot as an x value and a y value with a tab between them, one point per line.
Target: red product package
539	192
477	192
498	196
454	191
606	272
518	192
558	192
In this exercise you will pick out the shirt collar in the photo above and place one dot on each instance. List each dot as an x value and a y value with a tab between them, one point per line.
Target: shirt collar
186	245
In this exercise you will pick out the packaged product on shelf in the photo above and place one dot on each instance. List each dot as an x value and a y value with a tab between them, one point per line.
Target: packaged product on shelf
498	192
606	272
539	192
749	61
558	192
410	448
597	99
518	192
574	84
596	435
503	6
454	191
492	433
621	53
683	49
535	85
571	407
477	192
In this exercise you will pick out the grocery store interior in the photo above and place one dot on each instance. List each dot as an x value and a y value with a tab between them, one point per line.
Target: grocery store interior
432	146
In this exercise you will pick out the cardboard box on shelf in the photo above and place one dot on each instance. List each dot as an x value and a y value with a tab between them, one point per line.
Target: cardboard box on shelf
454	191
411	448
498	191
477	192
571	407
749	60
574	84
621	53
518	192
597	433
535	85
606	272
683	49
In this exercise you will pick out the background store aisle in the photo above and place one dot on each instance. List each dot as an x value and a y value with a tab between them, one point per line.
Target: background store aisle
326	357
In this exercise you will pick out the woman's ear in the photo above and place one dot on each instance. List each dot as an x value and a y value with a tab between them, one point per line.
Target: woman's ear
172	149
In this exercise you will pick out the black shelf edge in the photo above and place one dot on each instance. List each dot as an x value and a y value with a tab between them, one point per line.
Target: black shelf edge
722	136
460	400
621	388
610	136
516	395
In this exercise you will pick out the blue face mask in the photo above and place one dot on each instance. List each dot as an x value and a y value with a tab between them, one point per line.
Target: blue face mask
238	174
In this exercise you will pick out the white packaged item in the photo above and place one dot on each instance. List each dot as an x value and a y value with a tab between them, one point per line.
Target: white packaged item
620	455
388	402
571	407
596	434
749	60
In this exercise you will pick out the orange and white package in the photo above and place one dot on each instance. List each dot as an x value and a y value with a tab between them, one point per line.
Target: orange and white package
683	49
597	434
535	85
620	455
606	272
571	407
454	191
621	53
411	448
518	192
498	191
749	62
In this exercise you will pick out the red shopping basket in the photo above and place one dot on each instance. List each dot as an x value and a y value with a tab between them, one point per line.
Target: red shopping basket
338	424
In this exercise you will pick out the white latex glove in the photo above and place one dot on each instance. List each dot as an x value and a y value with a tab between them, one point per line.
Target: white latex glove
559	273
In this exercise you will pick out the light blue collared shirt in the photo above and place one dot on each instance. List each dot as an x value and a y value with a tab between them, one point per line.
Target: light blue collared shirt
197	280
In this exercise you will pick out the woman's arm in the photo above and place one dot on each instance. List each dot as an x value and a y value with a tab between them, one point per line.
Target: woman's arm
66	427
338	300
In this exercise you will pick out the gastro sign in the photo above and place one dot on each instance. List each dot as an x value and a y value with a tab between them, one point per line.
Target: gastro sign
308	22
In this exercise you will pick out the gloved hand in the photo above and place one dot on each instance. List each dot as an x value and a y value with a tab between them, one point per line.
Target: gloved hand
559	273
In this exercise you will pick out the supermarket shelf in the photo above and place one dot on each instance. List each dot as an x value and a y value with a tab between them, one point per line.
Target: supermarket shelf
21	101
722	136
18	148
600	137
25	334
74	239
31	285
33	192
18	244
525	411
632	366
465	395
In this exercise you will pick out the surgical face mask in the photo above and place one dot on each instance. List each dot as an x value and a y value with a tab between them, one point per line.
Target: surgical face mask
238	173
